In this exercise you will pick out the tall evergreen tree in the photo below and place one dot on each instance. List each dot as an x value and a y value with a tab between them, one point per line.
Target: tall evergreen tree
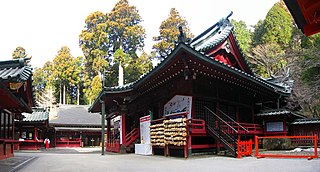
169	33
63	72
124	29
243	35
276	28
271	40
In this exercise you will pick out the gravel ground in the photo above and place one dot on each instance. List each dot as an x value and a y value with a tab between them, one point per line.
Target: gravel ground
58	161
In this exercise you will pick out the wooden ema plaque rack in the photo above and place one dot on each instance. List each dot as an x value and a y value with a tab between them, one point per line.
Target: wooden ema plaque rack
170	132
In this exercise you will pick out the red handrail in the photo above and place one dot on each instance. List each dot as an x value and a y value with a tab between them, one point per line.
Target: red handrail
132	136
224	122
235	122
197	126
250	128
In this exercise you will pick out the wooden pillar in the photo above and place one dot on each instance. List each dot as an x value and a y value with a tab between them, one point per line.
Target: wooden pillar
218	126
237	113
35	134
12	126
108	130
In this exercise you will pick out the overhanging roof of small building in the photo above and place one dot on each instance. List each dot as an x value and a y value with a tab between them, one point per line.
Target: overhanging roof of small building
306	121
14	71
275	112
306	14
75	115
16	86
38	114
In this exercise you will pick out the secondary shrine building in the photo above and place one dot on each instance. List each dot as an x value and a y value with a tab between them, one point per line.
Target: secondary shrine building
74	126
208	82
15	98
32	130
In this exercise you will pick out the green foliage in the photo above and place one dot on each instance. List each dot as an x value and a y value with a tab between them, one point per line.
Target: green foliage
66	72
276	28
271	39
133	67
311	41
96	86
243	35
169	33
93	41
118	34
124	29
137	67
258	32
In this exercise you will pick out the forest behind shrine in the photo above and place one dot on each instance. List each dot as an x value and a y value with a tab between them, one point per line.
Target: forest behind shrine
274	48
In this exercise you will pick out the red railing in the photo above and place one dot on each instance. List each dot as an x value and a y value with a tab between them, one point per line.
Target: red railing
315	142
246	128
197	126
132	136
244	148
113	146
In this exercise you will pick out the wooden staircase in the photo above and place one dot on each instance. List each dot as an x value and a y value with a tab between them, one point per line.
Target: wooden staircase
131	138
219	127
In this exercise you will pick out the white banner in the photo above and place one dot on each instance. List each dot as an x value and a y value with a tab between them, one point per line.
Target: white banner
178	104
145	129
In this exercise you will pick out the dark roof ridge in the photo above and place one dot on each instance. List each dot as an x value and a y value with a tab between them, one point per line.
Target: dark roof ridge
219	23
13	63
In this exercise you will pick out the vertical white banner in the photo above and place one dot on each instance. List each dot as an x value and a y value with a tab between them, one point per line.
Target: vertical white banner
145	129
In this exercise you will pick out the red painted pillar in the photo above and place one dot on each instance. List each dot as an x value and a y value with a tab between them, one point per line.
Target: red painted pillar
256	144
35	134
316	146
108	131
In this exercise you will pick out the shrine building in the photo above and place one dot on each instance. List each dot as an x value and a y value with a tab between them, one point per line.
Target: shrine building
15	98
202	97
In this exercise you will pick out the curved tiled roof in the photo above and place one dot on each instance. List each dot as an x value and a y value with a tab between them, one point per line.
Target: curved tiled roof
214	37
15	70
36	115
273	112
306	121
75	115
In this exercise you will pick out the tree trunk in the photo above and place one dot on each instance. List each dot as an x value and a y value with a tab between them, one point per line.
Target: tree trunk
78	95
51	97
60	93
64	93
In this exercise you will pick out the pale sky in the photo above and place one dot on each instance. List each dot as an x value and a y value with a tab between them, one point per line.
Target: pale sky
42	27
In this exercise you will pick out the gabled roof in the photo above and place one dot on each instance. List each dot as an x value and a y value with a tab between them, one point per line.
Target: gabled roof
38	114
306	121
75	115
276	112
212	36
14	70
